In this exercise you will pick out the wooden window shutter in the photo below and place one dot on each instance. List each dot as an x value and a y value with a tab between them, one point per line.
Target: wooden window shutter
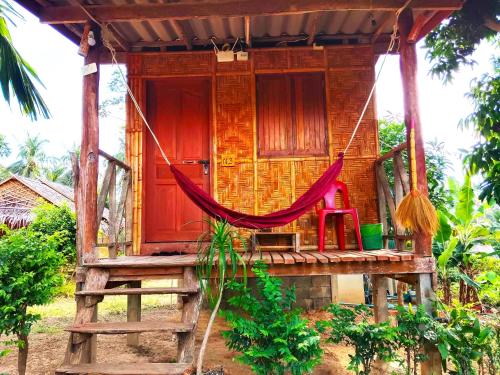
291	115
274	115
310	122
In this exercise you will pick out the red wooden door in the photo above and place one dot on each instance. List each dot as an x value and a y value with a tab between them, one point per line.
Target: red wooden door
179	115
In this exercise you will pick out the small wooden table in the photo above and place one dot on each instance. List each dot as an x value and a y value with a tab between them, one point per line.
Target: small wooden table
276	241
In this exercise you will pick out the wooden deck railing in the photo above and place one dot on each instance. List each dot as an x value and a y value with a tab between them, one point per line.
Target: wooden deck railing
114	207
390	196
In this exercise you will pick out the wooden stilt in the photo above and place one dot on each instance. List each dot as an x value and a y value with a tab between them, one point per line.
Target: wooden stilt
133	312
334	284
89	153
80	345
190	313
408	67
426	297
379	289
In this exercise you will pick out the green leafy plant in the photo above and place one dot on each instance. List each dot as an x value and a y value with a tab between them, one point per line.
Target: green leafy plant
461	231
59	222
29	275
217	252
17	78
371	341
466	344
271	336
415	329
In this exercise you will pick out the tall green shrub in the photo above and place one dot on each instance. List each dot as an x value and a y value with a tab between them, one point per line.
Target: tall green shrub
271	336
371	341
59	222
29	275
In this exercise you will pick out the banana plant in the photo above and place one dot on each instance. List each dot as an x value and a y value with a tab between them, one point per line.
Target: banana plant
461	230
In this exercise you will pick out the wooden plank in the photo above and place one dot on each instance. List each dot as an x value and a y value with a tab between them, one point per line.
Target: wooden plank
134	311
382	179
331	257
231	8
277	258
126	369
345	257
111	158
357	256
298	257
387	19
116	328
289	259
319	256
135	291
190	314
390	154
103	194
181	31
400	167
248	34
379	290
308	257
266	257
312	27
401	254
418	24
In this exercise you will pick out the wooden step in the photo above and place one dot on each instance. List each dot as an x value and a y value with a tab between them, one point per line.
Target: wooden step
126	369
132	291
115	328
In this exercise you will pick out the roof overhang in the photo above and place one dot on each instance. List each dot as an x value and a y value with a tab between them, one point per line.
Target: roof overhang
189	24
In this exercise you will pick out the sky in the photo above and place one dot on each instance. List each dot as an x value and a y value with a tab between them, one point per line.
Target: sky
59	66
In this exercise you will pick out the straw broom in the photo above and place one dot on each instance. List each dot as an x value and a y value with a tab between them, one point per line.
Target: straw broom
416	212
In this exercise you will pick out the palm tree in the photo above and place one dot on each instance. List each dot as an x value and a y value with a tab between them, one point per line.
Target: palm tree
17	77
59	170
31	158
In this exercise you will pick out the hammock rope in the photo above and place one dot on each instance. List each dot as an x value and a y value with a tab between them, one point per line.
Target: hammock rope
204	201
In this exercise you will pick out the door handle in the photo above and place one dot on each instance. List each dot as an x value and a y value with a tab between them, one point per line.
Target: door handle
206	165
190	162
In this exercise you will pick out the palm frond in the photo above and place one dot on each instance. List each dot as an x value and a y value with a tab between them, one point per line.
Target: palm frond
17	78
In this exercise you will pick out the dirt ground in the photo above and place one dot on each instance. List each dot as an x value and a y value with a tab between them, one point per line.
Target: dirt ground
48	343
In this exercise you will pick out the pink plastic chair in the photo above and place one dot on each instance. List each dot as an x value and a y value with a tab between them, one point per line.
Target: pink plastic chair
331	209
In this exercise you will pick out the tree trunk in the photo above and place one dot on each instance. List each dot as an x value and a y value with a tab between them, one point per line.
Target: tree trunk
203	347
22	357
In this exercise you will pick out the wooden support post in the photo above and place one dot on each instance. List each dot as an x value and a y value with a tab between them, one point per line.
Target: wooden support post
89	151
190	313
133	312
80	346
426	297
334	285
408	67
379	290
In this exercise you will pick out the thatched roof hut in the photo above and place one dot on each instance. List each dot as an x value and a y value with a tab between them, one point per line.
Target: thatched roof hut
19	195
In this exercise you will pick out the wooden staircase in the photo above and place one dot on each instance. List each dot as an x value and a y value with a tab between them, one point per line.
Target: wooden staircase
80	355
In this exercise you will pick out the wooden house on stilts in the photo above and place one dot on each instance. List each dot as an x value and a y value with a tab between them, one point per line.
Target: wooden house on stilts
254	125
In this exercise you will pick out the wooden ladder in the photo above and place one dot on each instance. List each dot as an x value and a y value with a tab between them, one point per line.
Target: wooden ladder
80	353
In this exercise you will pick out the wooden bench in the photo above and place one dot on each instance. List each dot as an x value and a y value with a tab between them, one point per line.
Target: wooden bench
276	241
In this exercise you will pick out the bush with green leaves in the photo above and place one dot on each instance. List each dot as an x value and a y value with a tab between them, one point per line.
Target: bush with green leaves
371	341
415	329
467	344
29	275
271	336
59	222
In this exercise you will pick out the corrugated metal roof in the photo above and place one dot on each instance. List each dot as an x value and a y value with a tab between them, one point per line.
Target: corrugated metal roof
330	25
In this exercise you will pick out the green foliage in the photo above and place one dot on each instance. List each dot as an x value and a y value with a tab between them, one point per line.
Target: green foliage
29	275
17	78
270	335
370	340
59	223
31	158
216	248
4	146
392	133
415	329
484	158
451	44
461	230
465	343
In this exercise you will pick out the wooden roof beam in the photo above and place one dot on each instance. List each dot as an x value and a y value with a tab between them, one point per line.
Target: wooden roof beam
248	35
313	26
422	27
228	8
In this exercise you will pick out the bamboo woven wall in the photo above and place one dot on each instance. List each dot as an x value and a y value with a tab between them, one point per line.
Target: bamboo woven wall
262	185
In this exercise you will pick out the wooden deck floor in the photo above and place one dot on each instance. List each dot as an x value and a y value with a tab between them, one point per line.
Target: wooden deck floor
281	263
275	257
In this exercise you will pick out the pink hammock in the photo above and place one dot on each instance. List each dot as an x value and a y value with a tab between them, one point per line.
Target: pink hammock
275	219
